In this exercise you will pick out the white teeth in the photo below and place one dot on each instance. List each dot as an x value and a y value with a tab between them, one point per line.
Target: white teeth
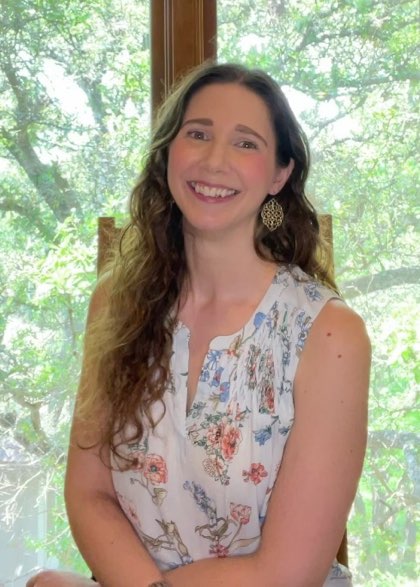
212	192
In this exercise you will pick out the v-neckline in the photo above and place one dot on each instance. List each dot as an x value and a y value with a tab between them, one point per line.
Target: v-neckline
222	342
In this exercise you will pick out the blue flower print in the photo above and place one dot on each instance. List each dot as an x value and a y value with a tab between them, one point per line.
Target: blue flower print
285	386
205	375
204	503
282	276
224	391
258	319
312	291
215	382
303	322
273	319
212	359
285	358
261	436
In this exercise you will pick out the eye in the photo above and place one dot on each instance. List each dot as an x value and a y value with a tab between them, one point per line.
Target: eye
197	135
247	145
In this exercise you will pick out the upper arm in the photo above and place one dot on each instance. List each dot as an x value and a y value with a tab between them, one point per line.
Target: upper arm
88	468
324	454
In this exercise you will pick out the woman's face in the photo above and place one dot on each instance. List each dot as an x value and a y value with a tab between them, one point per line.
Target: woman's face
222	161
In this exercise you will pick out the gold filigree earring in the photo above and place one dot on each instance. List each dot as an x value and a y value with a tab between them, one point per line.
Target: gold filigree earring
272	214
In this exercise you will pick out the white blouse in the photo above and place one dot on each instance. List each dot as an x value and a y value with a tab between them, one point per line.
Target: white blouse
200	483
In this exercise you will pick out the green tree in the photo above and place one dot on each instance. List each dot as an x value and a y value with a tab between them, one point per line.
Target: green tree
74	104
349	67
74	111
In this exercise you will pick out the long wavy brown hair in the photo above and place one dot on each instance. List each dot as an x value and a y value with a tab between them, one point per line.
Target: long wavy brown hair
130	343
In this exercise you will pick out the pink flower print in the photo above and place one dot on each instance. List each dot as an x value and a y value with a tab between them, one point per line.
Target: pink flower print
219	550
255	474
233	350
214	433
269	398
241	415
155	469
234	411
138	461
240	513
230	441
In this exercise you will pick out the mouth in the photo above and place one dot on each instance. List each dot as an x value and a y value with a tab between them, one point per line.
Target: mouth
212	191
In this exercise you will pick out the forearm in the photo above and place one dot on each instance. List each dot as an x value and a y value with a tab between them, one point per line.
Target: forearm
109	544
246	571
219	572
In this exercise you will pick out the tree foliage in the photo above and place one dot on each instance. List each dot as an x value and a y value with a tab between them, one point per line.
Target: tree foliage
349	67
74	122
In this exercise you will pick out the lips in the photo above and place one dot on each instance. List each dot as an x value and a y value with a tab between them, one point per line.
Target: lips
212	191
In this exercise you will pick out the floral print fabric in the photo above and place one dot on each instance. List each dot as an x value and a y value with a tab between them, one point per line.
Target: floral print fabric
200	483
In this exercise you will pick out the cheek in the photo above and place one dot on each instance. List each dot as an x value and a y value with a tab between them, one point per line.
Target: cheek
179	154
260	171
180	162
173	163
177	161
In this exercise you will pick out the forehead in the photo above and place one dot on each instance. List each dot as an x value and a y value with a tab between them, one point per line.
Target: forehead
231	103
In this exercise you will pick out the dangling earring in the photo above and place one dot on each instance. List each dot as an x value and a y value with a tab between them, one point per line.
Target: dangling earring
272	214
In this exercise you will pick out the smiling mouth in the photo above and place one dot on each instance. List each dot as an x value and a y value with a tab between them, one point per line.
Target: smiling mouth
211	192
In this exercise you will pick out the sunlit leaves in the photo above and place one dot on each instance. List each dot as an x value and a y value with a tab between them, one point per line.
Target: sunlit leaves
349	69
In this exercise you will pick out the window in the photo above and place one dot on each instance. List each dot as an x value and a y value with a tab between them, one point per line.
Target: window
349	72
75	110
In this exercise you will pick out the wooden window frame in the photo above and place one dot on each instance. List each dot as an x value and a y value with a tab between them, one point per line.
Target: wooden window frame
174	53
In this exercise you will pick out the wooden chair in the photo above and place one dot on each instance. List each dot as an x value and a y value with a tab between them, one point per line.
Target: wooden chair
108	232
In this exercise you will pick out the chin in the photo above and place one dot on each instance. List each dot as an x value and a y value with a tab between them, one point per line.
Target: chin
211	227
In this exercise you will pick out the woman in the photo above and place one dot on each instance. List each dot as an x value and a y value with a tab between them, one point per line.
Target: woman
221	421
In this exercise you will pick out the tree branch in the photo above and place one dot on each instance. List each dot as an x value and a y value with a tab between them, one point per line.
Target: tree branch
383	280
47	179
9	204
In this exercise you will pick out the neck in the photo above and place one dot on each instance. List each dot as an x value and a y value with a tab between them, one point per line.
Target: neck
224	268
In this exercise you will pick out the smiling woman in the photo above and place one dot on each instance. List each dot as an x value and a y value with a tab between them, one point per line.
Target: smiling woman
75	124
207	446
228	159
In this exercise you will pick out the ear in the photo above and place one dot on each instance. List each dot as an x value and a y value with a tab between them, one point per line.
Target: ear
281	177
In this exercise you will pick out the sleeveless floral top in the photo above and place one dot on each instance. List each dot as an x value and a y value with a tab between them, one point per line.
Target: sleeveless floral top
200	483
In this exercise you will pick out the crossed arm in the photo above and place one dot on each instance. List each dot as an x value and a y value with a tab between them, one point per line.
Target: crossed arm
311	499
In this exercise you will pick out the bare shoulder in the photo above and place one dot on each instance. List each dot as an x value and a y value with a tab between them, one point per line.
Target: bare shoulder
335	361
341	318
338	332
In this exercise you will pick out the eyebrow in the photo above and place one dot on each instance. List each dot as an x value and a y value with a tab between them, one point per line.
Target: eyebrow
239	127
249	131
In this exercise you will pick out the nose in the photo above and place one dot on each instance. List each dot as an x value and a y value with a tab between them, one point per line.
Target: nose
216	156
